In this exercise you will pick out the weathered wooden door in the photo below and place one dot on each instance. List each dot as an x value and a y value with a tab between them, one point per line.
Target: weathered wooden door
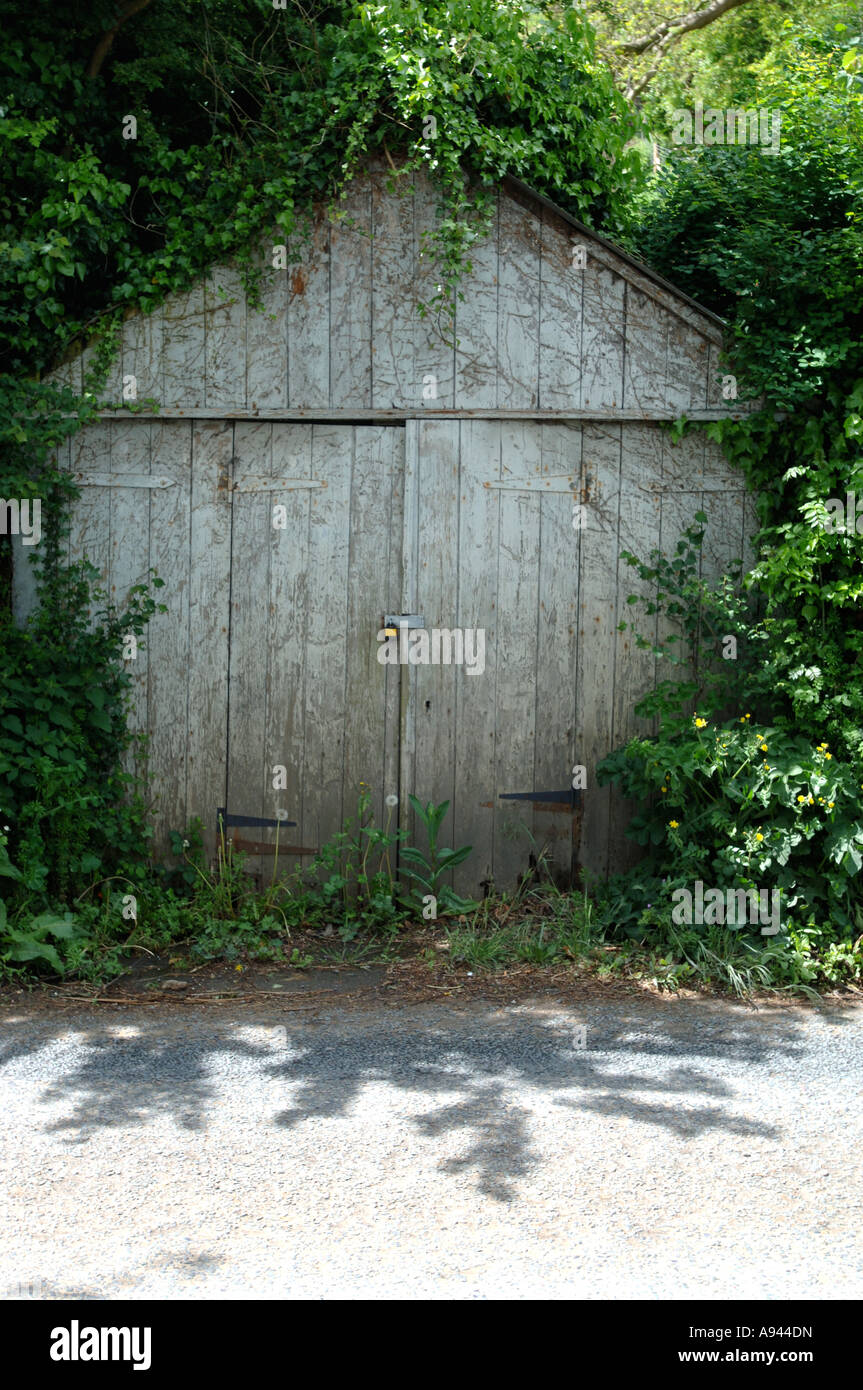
316	560
489	544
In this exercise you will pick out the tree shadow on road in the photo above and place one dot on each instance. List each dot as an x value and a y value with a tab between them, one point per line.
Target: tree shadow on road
477	1074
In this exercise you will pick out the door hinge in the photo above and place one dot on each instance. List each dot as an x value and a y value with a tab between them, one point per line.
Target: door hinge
122	480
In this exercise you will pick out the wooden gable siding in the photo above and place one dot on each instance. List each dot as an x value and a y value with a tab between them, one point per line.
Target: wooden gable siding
339	329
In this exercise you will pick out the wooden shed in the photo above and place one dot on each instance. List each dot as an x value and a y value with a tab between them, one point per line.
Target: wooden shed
334	459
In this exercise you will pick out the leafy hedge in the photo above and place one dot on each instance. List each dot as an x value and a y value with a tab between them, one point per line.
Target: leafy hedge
756	774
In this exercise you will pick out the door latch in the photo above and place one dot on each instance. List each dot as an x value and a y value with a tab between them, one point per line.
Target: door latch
394	621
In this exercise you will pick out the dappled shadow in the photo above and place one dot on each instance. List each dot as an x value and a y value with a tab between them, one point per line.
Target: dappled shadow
184	1266
123	1081
476	1074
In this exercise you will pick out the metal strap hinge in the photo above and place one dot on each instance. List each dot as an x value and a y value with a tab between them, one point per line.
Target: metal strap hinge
557	483
122	480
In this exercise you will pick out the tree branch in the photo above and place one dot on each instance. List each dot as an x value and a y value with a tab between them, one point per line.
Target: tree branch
674	29
103	47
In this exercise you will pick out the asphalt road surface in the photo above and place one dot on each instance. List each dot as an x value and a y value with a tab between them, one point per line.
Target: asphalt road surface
634	1149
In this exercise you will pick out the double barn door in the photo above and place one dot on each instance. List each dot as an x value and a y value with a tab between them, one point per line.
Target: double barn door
283	545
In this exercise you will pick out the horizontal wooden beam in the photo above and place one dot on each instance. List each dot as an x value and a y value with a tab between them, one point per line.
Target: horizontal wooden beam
350	416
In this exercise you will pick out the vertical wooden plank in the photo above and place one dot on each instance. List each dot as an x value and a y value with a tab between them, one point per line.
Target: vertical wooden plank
431	549
351	301
557	645
329	547
394	378
682	481
292	593
69	373
597	620
518	306
645	386
267	338
141	355
683	463
419	443
250	762
375	546
634	669
430	750
714	380
90	534
131	448
479	542
686	368
602	339
309	318
209	619
224	338
434	348
561	322
517	654
476	325
168	635
183	348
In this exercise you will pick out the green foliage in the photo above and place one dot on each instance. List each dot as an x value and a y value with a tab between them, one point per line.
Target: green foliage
351	888
428	869
67	810
756	799
754	776
247	115
354	885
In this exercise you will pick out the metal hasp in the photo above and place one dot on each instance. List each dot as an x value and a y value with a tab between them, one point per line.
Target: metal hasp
566	800
404	620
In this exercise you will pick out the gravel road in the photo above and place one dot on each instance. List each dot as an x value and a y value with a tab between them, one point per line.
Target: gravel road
673	1149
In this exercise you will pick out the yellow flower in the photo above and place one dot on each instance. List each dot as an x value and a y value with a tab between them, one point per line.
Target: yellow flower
701	723
764	747
811	801
673	824
759	836
748	716
830	804
828	756
238	967
801	798
663	789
